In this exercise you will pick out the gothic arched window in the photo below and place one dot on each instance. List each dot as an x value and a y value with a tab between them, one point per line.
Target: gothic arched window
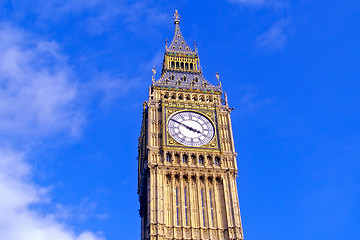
201	160
217	161
185	158
193	159
177	158
203	206
168	157
177	205
211	209
186	207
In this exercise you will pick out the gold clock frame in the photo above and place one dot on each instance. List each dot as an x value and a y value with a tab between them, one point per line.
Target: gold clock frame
169	141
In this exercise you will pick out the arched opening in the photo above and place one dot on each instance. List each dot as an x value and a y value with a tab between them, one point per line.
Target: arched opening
185	158
168	157
182	65
193	178
177	65
202	198
177	158
201	160
193	159
172	64
209	159
186	66
217	161
201	179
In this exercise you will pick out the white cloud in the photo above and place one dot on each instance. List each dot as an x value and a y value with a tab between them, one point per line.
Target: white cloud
37	97
17	219
37	88
274	38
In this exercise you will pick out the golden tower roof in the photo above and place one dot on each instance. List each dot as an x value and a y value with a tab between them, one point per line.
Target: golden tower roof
181	65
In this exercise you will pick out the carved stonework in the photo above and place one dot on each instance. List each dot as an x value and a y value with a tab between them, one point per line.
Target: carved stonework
187	233
206	234
169	233
221	235
178	233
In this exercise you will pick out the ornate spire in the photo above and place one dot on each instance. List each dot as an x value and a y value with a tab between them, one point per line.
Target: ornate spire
181	65
178	43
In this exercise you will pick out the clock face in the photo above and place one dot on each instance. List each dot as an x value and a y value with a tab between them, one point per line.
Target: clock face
190	128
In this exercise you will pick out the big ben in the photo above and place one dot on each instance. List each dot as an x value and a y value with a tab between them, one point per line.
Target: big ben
187	161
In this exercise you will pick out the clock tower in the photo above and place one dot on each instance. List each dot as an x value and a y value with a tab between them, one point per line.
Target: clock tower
187	160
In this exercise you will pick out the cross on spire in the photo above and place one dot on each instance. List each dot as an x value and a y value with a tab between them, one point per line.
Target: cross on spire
176	17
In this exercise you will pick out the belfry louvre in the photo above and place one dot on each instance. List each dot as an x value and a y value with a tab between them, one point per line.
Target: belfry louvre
187	160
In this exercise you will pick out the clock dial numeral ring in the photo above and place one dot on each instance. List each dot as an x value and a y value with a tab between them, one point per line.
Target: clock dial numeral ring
190	128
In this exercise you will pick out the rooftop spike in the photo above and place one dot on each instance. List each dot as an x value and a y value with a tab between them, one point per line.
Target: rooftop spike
176	17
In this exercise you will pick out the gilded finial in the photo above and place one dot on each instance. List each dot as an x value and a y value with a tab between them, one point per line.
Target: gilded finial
153	74
176	17
218	78
166	43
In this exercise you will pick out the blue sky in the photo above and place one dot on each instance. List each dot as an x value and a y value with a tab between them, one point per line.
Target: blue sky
74	75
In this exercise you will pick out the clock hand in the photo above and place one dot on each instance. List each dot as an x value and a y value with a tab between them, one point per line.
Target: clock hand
190	128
